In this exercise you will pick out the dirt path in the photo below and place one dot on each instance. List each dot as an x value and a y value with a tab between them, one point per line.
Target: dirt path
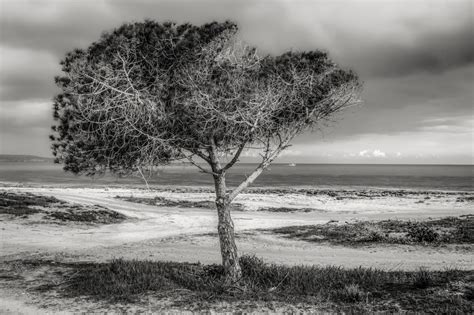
165	233
148	222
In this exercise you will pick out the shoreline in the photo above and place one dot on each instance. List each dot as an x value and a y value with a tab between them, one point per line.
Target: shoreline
303	189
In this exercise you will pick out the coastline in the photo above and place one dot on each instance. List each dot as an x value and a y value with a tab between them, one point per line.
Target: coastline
183	234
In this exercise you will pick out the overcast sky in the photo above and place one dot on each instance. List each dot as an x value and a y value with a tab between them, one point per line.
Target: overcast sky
415	57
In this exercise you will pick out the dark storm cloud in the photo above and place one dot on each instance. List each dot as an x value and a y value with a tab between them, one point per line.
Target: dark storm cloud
432	52
416	57
274	26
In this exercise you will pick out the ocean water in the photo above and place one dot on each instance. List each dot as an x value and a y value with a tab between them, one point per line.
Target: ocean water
426	177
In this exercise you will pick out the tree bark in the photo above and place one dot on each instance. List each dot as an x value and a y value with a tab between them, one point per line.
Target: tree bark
225	227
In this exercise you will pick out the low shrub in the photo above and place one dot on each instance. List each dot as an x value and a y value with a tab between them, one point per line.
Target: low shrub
95	215
422	233
448	230
422	279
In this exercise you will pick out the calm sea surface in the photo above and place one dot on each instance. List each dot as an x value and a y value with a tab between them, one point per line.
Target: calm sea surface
437	177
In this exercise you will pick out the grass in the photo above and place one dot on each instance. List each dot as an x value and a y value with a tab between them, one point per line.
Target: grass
24	205
161	201
334	193
449	230
333	288
285	209
95	214
206	204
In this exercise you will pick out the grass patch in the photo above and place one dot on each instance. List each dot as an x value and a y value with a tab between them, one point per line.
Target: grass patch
359	289
206	204
91	214
449	230
51	208
165	202
24	204
286	209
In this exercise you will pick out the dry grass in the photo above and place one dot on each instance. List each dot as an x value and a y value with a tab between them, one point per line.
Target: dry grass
165	202
24	204
333	289
449	230
55	210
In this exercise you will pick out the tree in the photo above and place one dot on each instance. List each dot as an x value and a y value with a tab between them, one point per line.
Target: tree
148	93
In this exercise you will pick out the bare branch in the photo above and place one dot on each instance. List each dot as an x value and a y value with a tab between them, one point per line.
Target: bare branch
235	158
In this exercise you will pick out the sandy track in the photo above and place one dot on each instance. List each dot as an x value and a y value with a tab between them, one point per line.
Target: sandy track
148	222
165	233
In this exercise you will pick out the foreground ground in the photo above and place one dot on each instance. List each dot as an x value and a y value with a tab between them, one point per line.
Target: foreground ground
178	225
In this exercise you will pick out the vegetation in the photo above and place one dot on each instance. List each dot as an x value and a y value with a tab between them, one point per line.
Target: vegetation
324	288
449	230
286	209
24	204
149	93
52	208
91	214
161	201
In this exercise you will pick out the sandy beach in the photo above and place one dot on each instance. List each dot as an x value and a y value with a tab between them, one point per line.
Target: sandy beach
153	229
182	234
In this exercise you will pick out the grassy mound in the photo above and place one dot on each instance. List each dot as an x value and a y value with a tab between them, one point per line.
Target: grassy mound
89	214
53	209
449	230
336	288
24	204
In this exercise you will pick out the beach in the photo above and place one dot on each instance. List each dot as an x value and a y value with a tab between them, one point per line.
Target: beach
184	226
178	223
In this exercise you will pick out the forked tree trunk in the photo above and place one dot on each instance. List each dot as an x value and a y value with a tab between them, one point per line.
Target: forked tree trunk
225	227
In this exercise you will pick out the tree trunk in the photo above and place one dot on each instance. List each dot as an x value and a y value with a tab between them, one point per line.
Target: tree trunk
225	227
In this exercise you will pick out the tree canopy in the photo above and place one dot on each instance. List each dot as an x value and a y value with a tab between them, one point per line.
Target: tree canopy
148	93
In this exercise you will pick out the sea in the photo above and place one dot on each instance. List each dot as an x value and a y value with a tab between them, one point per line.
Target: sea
324	176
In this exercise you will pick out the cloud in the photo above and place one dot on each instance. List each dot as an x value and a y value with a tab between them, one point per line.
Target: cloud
378	153
16	116
290	152
27	75
456	125
430	52
416	62
372	154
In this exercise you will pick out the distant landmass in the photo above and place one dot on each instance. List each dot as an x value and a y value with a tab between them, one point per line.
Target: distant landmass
24	158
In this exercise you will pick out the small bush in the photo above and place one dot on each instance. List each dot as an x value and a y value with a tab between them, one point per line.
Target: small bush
350	294
374	237
469	293
422	279
422	233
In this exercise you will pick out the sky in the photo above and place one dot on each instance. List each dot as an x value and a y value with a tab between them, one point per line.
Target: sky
415	57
